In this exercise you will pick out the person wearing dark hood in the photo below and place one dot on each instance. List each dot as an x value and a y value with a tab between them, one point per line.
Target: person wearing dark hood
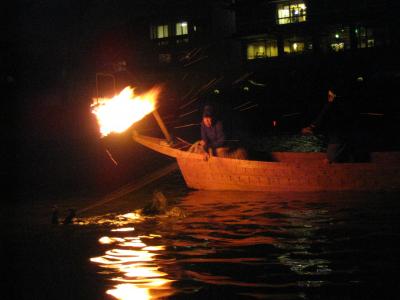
338	119
212	132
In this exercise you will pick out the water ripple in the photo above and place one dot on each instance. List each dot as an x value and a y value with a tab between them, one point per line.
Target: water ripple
255	246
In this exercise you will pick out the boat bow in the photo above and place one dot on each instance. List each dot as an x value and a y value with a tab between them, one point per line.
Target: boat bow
158	145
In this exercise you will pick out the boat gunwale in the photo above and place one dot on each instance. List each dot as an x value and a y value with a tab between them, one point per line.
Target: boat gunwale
161	146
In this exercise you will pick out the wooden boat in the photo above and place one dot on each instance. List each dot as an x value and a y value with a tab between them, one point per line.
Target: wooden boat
287	171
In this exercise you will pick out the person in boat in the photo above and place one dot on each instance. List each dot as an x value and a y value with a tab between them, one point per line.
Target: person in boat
338	118
213	138
212	132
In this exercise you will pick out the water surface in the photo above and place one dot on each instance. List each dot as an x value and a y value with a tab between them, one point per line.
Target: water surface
234	245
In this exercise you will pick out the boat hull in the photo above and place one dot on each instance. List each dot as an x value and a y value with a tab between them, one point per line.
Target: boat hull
289	171
222	174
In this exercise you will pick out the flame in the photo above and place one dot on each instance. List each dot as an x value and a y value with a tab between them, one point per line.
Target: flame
117	114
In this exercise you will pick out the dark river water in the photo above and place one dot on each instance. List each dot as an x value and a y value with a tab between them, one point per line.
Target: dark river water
218	245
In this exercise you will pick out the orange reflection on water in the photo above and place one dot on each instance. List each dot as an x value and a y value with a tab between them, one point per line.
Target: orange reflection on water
129	291
108	240
132	216
133	266
124	229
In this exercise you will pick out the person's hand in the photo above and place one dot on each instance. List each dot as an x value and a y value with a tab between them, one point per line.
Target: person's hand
206	156
307	130
331	96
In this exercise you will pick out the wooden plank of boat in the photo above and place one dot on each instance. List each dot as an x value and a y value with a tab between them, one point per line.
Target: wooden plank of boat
288	171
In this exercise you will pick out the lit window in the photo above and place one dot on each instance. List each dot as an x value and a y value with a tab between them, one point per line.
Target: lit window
370	43
162	31
364	37
291	13
159	31
338	39
181	28
337	47
262	49
293	47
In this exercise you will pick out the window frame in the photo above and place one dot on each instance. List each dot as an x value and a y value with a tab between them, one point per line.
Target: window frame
179	28
159	31
270	48
285	15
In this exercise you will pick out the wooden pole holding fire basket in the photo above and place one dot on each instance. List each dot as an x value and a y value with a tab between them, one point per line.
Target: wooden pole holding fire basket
163	127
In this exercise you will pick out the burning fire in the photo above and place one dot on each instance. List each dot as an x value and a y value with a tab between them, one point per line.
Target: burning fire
119	113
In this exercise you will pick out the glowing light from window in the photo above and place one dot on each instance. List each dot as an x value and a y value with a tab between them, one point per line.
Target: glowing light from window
262	49
181	28
162	31
292	13
337	46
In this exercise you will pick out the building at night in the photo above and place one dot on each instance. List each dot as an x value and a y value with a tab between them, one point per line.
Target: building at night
178	34
243	31
271	29
302	46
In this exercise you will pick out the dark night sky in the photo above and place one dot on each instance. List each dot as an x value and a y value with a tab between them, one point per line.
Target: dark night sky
46	36
57	33
68	31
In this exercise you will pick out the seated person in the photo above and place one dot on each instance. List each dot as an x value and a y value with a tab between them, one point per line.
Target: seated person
213	139
212	131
